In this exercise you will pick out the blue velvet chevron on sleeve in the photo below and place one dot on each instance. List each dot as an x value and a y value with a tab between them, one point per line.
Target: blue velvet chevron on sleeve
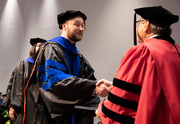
53	72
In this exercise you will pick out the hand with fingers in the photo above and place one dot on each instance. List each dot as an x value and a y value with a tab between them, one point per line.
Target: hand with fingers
106	82
12	113
102	88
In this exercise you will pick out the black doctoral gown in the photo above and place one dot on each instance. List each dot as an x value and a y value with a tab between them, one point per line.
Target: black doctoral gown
56	87
15	89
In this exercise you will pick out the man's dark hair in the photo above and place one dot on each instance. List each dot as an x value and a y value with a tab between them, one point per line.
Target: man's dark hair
32	52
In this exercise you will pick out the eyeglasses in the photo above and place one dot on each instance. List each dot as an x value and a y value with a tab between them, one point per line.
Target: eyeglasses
137	22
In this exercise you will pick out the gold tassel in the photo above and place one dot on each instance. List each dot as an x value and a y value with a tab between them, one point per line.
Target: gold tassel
85	26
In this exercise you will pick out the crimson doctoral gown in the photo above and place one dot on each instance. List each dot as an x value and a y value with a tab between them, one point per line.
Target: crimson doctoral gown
146	86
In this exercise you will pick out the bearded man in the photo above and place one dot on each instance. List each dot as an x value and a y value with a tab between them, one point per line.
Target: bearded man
63	78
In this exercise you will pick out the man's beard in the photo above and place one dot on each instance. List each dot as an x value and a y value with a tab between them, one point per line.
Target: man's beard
74	38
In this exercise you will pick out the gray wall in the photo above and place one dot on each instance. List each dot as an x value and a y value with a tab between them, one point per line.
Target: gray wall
109	30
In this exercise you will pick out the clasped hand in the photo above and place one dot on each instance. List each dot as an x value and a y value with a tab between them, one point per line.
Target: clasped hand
103	87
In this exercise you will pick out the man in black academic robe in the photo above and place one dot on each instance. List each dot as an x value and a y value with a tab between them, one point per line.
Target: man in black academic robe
63	78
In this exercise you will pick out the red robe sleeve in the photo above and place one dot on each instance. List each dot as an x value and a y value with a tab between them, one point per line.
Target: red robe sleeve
121	104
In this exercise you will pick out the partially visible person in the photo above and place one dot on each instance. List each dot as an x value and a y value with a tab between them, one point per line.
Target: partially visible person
1	110
64	78
3	116
17	83
1	98
146	87
6	103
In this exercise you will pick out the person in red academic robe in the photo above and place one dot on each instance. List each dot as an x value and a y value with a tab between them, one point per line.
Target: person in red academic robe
146	86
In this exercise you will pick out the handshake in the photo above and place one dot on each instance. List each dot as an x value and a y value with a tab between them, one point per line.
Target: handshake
103	87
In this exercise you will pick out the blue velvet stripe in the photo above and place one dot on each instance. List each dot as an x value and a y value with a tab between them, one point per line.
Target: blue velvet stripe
51	72
54	72
55	64
54	79
69	49
77	65
30	60
66	44
68	61
43	78
73	119
42	68
52	63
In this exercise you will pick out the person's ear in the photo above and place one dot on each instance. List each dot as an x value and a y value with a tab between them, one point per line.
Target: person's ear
64	26
147	26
